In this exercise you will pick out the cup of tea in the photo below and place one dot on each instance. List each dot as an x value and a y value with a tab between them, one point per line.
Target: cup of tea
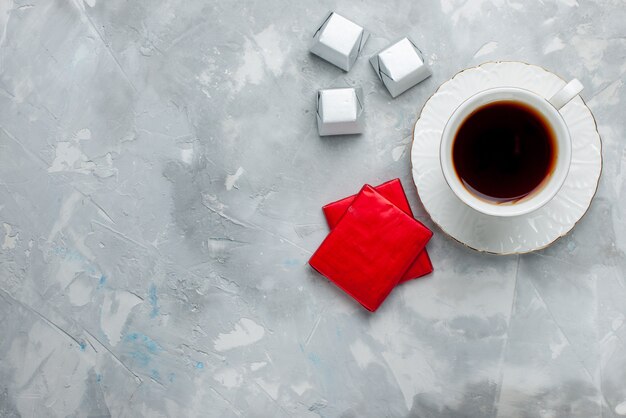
507	151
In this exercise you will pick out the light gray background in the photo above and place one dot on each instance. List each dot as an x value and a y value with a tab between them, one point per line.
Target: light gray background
161	180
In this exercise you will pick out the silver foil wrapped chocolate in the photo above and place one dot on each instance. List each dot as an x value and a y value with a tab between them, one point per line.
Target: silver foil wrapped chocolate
340	111
339	41
400	66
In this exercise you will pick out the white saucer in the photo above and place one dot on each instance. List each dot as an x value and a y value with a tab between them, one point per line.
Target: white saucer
514	235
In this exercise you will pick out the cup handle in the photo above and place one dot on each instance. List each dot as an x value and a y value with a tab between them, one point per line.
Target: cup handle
567	93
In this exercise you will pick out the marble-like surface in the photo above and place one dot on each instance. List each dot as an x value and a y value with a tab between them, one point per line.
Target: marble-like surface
161	180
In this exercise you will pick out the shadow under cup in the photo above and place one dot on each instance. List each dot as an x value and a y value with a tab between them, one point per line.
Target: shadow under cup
505	152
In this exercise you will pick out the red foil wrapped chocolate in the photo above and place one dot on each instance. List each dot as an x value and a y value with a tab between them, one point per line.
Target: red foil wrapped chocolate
370	248
392	191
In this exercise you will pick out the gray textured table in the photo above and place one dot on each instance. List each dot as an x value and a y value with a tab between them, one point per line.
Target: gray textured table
161	180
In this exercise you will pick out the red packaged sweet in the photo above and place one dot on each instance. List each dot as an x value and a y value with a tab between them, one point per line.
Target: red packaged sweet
392	191
370	248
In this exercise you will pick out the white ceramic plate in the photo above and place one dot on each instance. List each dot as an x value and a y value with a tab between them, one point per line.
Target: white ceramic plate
513	235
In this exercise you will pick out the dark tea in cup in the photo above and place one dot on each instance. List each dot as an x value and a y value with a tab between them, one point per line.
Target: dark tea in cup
504	151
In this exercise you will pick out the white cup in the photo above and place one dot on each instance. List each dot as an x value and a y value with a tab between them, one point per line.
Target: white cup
549	109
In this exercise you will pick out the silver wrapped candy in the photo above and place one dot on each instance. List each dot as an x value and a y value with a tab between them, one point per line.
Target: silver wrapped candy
339	41
400	66
340	111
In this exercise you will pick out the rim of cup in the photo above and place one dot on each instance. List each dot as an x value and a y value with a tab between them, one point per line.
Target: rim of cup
545	191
